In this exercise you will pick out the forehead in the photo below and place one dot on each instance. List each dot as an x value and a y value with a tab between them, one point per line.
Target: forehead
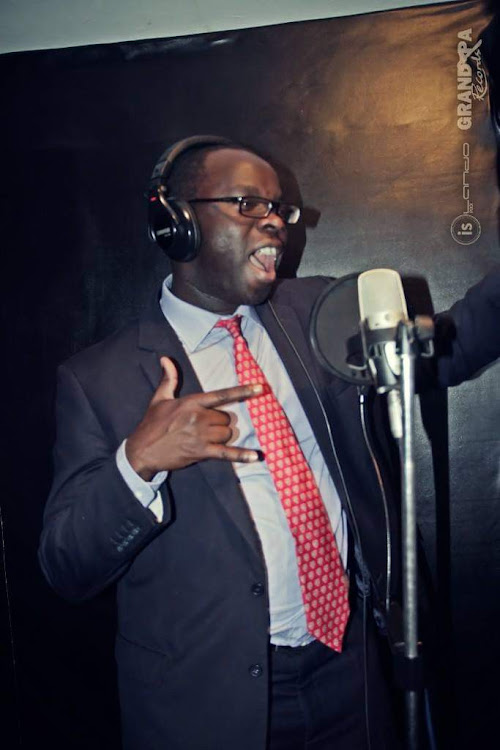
233	171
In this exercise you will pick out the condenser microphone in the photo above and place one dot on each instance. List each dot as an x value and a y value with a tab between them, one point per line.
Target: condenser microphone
382	307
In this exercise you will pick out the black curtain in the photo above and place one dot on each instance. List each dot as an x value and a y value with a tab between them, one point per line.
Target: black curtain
361	116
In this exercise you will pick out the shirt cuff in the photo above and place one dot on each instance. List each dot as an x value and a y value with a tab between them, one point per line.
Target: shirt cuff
146	492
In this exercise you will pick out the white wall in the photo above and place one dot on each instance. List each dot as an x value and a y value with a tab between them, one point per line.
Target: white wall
47	24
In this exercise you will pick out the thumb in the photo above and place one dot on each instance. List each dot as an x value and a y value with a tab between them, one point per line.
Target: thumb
168	383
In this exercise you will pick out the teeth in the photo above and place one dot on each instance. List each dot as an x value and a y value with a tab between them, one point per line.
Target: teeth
266	251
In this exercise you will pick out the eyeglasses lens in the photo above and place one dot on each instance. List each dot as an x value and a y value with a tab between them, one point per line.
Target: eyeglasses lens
258	208
254	207
289	214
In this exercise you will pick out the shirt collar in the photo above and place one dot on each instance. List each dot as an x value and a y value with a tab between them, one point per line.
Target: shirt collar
193	324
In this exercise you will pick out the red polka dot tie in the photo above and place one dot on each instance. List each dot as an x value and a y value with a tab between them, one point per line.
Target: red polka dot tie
321	573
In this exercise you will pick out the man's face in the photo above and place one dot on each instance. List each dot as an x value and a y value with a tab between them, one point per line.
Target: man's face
238	255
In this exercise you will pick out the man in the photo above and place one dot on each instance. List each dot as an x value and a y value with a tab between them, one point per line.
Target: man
174	493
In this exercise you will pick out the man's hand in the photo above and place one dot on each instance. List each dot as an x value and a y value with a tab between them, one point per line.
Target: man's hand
177	432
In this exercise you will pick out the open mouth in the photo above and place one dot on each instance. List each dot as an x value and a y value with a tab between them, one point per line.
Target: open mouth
266	259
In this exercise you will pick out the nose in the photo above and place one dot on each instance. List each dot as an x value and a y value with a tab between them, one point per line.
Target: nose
273	225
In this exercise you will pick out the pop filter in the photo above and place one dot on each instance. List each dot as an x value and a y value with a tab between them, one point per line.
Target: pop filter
335	334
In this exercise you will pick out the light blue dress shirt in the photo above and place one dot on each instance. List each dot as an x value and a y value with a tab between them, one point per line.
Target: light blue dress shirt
210	351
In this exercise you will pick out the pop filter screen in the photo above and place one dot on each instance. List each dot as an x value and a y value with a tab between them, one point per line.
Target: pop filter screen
335	334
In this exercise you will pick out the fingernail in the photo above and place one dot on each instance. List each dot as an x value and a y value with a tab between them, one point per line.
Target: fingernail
252	457
258	388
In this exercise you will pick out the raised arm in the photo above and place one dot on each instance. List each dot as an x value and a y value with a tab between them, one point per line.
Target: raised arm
468	335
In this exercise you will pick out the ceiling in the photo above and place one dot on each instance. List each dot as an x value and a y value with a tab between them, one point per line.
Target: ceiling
33	24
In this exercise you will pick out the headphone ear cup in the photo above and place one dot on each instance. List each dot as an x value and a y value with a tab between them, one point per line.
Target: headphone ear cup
174	226
172	223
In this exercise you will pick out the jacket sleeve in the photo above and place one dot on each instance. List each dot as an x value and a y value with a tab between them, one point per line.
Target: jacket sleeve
93	524
468	335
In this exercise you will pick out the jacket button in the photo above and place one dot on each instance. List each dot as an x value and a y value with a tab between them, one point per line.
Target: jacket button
258	589
255	670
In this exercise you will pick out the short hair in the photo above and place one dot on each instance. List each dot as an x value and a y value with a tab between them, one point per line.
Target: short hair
189	169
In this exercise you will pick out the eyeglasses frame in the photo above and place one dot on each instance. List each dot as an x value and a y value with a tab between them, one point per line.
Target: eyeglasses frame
272	206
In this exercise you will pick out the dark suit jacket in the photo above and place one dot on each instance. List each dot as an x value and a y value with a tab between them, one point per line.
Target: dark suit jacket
192	646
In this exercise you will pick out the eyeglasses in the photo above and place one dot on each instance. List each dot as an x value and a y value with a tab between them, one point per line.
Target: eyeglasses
257	208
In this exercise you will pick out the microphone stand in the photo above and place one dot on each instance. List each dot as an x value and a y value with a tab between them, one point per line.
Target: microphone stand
413	339
395	374
407	348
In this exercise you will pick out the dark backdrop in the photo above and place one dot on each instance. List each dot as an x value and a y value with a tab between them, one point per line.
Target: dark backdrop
362	112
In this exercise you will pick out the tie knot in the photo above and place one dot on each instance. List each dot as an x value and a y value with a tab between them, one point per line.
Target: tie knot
233	325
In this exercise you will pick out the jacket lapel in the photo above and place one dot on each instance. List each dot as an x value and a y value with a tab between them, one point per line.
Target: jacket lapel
285	330
157	338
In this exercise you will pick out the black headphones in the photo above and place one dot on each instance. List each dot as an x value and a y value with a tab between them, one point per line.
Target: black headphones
172	224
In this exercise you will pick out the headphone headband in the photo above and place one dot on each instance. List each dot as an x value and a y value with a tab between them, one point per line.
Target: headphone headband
164	165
